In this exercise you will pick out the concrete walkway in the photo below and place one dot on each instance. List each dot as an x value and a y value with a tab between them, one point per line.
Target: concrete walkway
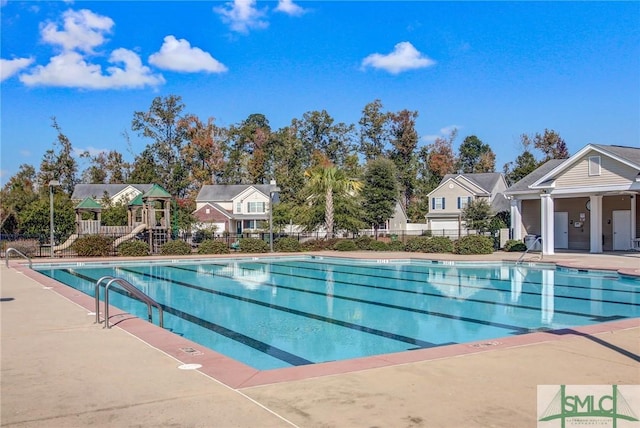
60	370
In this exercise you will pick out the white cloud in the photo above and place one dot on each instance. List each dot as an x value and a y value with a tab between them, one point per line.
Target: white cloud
82	30
178	55
289	7
9	67
91	150
404	57
70	69
242	15
445	132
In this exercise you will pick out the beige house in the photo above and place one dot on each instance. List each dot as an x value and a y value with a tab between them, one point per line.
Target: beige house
587	202
234	208
455	191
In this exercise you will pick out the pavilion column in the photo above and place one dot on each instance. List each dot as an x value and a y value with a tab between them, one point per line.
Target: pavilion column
595	229
546	216
633	221
516	219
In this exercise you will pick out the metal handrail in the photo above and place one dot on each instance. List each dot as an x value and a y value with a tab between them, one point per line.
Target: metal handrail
533	244
131	289
11	249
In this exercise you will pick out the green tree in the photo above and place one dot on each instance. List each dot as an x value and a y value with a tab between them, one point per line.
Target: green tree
374	130
114	214
163	124
58	163
106	167
441	159
18	193
203	153
144	168
524	164
290	162
319	133
35	218
475	156
477	215
379	192
324	182
404	140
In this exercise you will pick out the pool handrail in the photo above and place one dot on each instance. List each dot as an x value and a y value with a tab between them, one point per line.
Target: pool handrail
11	249
131	289
533	244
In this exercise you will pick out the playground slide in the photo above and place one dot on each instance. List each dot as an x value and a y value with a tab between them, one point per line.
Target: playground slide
130	235
66	243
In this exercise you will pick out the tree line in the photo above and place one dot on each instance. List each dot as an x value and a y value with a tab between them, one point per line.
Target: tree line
317	162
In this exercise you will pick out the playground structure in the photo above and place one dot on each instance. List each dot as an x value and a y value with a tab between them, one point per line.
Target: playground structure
147	213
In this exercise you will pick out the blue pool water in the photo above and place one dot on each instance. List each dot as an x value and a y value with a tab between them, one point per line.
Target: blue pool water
280	312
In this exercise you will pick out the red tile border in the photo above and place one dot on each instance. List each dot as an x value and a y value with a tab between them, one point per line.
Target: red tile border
238	375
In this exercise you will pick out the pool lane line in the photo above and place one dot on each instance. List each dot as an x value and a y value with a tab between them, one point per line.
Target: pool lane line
460	285
514	329
345	324
265	348
386	267
596	318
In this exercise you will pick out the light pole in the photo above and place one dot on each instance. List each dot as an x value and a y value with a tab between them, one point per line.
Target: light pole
52	184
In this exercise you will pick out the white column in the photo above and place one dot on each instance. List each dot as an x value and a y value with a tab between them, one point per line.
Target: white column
546	216
595	220
516	219
633	221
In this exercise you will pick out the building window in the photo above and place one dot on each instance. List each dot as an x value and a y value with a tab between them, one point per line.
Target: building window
255	207
254	224
594	165
437	203
238	207
463	201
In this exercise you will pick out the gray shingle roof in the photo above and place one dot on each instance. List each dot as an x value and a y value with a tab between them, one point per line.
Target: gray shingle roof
226	192
96	191
484	180
536	174
632	154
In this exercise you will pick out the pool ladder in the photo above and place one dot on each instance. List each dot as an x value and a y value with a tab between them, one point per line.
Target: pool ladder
126	285
533	244
20	253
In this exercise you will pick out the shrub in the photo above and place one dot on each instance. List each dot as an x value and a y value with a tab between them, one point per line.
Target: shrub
363	242
377	246
417	244
345	245
474	244
201	235
253	245
288	245
133	248
319	244
93	246
438	244
514	245
396	246
175	248
28	247
210	246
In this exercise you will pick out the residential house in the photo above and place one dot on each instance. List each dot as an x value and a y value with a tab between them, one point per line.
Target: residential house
116	193
586	202
234	208
455	191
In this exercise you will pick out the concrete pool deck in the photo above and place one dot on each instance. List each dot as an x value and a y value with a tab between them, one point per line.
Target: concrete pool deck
58	369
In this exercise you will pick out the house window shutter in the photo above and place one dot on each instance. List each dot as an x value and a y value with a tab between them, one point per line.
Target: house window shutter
442	203
433	203
459	203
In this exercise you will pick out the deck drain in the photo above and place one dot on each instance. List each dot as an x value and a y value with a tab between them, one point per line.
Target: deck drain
190	366
191	351
485	344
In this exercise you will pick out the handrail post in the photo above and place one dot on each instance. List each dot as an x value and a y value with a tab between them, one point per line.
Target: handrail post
11	249
97	296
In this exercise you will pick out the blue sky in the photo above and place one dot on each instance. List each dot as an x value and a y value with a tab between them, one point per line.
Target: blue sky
491	69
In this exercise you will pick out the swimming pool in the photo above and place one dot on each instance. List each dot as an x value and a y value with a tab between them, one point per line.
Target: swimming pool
289	311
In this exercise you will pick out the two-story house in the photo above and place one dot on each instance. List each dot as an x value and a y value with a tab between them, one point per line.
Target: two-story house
455	191
234	208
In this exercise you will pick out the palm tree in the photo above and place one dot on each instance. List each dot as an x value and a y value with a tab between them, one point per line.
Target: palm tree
325	179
